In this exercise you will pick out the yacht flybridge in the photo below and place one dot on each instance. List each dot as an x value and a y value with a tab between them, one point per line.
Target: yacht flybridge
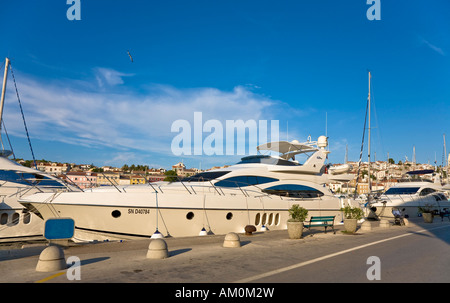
257	191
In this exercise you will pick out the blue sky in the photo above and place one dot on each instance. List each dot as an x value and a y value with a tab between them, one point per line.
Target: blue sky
303	63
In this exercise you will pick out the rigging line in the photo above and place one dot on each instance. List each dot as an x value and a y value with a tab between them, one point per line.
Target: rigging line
379	135
362	148
23	116
9	141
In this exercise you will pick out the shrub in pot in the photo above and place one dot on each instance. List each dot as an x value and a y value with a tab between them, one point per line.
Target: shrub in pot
297	215
351	217
427	213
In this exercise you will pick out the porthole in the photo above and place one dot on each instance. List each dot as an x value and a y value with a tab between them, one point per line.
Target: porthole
15	219
277	219
257	219
26	218
4	219
190	215
116	213
270	219
264	218
229	216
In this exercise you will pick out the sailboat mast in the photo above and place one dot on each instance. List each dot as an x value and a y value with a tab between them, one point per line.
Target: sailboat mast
445	158
2	101
368	146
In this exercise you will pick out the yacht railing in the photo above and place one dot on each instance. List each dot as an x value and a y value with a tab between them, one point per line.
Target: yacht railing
245	189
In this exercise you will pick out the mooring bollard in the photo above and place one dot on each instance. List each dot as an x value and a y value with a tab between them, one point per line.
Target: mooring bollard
232	240
51	259
249	230
157	249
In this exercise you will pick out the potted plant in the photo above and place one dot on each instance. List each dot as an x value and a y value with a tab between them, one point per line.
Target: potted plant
351	217
297	215
427	213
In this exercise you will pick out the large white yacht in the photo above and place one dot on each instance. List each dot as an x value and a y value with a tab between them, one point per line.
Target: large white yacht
257	191
409	194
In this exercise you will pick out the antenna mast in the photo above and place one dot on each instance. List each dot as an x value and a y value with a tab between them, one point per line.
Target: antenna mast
4	90
368	146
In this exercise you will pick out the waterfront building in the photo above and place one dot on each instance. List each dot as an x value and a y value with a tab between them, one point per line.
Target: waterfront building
83	179
108	178
52	168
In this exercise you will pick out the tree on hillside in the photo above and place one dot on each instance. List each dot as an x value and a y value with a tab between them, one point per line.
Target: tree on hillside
171	176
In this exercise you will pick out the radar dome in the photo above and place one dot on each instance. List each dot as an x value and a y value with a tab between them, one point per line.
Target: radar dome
322	142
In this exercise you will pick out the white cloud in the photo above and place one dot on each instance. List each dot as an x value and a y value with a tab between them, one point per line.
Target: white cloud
108	76
75	113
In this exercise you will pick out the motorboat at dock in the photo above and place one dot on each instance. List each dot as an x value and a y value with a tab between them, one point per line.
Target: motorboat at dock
257	191
409	194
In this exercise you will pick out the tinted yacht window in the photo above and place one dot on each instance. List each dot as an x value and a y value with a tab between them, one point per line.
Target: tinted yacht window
426	191
294	190
205	176
266	160
28	179
241	181
401	190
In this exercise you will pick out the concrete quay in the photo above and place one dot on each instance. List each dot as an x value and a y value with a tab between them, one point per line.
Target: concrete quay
262	257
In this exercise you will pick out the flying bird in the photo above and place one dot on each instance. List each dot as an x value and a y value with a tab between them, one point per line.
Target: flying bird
131	58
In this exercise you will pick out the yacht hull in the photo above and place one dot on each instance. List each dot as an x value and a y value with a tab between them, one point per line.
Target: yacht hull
17	225
16	222
177	215
408	205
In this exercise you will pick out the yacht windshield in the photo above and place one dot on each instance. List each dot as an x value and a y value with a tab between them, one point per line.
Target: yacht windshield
28	179
205	176
266	160
241	181
402	191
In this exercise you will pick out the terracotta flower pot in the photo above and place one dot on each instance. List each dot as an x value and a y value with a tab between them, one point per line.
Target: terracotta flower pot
295	229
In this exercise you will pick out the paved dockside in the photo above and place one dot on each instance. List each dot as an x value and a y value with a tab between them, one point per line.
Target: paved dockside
262	257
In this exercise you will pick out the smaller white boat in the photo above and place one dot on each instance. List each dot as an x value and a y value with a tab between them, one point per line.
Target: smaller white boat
410	194
16	222
340	169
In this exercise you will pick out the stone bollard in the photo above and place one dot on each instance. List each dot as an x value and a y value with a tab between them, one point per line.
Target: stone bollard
366	226
157	249
232	240
51	259
385	224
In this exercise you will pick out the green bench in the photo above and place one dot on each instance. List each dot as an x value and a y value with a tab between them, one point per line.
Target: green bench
325	221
